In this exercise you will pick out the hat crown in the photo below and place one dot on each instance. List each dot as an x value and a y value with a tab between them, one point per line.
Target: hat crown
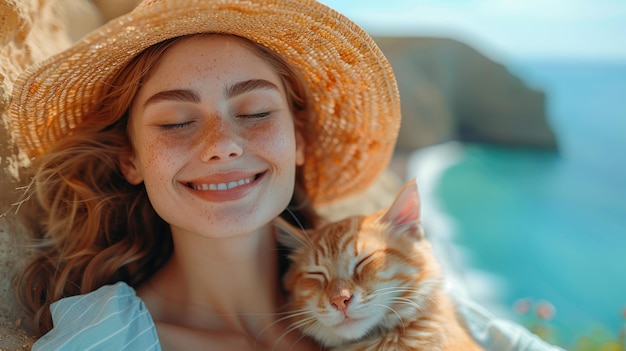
148	3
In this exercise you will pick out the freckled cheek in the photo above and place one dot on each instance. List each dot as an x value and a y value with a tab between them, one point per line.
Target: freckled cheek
157	157
277	141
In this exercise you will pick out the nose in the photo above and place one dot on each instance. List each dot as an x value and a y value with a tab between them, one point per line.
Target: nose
221	141
341	300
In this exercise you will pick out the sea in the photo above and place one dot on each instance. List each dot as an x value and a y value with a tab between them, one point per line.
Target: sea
541	234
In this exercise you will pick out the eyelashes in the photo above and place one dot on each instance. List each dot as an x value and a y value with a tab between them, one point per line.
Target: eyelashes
256	115
172	126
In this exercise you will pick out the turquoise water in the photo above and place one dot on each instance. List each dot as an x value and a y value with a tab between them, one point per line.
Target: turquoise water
553	225
552	231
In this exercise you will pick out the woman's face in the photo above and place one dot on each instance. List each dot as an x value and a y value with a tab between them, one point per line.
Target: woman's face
213	139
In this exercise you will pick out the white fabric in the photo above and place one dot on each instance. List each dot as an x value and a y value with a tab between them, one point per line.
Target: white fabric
497	334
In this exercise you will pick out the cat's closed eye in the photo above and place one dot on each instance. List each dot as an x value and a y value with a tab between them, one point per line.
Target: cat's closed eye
358	268
315	275
312	280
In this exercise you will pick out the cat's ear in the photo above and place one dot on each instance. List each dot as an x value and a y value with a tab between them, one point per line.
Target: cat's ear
288	235
404	214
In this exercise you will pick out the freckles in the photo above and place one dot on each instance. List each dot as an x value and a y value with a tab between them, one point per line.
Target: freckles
277	139
155	160
149	156
214	217
206	70
211	217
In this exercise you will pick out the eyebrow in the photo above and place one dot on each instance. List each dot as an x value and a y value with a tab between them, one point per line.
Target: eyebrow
185	95
249	85
173	95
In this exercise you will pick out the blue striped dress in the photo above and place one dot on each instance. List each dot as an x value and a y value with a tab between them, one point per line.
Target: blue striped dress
110	318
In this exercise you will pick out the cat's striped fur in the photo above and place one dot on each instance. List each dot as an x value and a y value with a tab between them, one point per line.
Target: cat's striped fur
371	283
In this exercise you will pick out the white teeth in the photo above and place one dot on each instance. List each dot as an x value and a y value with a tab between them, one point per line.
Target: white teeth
222	186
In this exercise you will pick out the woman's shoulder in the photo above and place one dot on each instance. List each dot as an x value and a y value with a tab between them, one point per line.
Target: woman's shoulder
110	318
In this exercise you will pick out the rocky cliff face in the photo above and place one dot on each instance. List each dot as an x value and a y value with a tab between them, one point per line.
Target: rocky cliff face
31	30
449	91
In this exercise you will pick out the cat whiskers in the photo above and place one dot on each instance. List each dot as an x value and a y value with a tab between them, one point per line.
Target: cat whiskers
292	326
415	295
409	302
394	311
394	290
304	239
295	326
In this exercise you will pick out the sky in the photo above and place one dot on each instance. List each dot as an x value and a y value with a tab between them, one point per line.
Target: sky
510	29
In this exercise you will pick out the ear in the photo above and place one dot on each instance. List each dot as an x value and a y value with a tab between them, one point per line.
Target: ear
300	147
404	214
128	166
288	235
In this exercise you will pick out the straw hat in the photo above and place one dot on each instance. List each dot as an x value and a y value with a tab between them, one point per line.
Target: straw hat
352	86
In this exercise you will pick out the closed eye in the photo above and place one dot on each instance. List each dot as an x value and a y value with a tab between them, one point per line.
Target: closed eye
256	115
358	268
315	275
171	126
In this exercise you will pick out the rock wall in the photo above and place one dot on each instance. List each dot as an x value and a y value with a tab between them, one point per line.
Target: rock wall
30	31
450	91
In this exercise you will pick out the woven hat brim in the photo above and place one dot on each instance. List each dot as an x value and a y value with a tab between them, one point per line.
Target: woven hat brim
352	86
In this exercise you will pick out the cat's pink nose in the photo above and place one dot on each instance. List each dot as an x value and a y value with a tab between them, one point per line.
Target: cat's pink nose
341	301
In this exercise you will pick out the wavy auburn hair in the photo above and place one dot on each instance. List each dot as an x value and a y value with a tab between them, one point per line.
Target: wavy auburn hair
91	226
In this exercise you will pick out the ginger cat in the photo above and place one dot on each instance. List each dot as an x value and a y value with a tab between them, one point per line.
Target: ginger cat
371	283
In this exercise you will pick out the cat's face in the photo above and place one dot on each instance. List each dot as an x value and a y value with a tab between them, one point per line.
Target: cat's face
355	276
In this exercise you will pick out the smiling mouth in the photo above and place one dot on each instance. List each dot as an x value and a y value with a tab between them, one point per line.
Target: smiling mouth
223	186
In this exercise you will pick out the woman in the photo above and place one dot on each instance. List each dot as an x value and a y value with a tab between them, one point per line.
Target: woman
165	143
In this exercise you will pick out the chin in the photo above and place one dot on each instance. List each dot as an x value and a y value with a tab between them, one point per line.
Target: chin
337	335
